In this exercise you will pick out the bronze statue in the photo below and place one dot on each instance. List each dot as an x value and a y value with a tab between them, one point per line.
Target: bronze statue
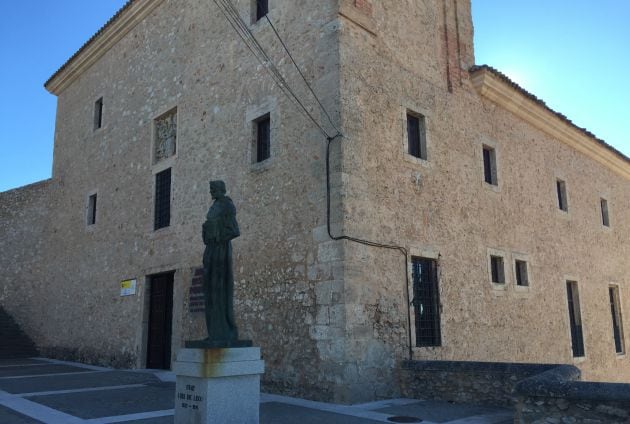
218	278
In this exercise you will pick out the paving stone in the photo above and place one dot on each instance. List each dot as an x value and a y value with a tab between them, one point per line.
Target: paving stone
107	403
440	412
75	381
8	416
280	413
14	371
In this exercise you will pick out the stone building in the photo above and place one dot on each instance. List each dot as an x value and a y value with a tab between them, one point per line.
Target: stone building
506	227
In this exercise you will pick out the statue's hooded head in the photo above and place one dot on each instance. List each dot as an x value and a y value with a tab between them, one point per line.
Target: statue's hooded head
217	189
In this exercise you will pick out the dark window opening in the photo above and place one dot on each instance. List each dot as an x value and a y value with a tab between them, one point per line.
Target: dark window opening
604	206
613	293
416	136
521	273
263	138
496	270
575	319
91	217
561	188
163	199
490	166
98	114
426	302
262	8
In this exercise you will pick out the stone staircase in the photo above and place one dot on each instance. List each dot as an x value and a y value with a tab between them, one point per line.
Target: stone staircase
14	343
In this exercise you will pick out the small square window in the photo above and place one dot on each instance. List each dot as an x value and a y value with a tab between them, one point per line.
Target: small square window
262	128
416	135
496	269
604	207
520	268
91	215
98	114
262	8
490	166
561	189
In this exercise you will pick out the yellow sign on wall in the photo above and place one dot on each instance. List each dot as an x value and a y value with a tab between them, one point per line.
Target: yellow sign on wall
128	287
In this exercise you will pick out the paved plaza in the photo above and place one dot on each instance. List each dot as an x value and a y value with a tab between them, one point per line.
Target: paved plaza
40	390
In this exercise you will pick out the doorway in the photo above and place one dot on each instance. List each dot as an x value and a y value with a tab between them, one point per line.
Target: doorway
160	321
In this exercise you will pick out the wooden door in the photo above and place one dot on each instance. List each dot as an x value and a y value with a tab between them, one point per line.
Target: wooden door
160	321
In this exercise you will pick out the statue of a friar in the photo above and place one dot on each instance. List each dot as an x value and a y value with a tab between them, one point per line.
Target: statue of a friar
218	230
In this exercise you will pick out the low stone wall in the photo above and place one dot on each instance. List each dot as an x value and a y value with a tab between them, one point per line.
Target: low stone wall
457	381
557	396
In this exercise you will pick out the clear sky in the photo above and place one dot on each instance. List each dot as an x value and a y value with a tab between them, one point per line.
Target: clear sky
574	54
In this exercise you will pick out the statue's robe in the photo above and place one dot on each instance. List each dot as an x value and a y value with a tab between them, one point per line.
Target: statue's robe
218	278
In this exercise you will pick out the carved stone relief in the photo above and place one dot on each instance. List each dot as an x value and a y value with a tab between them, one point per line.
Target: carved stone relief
165	136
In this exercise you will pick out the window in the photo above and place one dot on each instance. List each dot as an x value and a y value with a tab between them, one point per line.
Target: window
497	273
162	199
426	302
262	8
263	138
91	215
490	166
561	188
98	114
604	206
575	319
520	268
613	293
416	136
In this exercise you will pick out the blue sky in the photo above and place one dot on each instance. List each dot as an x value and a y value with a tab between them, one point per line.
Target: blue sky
574	54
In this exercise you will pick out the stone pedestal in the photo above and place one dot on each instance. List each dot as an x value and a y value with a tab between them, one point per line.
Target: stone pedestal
219	386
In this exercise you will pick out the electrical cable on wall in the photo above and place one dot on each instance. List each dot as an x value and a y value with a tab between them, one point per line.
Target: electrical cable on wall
233	17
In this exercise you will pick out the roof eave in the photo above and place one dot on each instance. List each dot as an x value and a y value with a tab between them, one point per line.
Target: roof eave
497	88
131	14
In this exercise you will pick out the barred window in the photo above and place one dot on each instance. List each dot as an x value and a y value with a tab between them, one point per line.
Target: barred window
263	138
162	199
426	302
613	293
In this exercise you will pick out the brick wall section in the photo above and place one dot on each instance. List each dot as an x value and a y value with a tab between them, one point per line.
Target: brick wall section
364	6
556	396
489	383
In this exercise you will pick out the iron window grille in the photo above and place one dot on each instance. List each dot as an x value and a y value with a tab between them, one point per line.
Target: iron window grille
416	136
426	302
162	199
575	319
617	323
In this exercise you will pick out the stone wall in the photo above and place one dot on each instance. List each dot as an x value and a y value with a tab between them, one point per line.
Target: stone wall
489	383
185	56
441	208
25	227
556	396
